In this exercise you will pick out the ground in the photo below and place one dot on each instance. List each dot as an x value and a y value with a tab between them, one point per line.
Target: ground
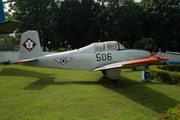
47	93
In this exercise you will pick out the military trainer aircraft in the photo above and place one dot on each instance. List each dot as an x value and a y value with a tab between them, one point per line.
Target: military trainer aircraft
108	57
7	27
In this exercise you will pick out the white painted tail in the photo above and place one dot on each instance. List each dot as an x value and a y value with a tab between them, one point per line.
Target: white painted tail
30	45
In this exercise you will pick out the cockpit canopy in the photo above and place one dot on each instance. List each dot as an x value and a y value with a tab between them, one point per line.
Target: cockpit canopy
102	46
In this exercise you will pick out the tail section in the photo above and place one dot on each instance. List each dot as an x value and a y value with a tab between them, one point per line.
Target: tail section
2	15
7	27
30	45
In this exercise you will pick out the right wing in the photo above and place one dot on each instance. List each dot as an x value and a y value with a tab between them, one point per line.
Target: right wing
131	63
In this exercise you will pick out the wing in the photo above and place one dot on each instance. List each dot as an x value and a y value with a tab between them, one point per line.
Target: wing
8	27
131	63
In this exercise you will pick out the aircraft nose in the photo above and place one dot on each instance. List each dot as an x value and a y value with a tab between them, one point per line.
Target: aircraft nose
144	54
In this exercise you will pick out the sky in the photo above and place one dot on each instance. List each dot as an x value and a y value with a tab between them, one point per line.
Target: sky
137	0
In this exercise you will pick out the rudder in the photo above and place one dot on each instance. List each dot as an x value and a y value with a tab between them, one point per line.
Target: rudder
30	45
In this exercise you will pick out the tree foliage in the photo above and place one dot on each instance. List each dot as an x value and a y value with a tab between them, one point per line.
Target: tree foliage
38	15
81	22
9	43
145	44
161	22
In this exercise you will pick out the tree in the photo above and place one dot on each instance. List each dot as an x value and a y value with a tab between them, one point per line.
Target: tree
77	19
122	21
9	43
38	15
145	44
161	22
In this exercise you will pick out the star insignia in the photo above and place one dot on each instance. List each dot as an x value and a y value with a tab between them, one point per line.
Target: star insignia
63	60
29	44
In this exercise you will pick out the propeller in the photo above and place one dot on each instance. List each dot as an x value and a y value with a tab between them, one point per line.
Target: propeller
165	59
162	58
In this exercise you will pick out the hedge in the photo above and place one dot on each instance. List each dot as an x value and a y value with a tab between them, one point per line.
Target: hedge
163	73
6	63
172	113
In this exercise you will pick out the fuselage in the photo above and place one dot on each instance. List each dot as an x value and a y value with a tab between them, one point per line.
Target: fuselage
78	60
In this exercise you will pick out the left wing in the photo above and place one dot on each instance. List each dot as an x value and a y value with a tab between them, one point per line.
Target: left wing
132	63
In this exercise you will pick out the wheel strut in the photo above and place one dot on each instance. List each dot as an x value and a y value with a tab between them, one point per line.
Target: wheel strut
104	72
114	81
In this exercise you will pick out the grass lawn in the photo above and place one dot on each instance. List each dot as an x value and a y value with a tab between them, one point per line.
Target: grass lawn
45	93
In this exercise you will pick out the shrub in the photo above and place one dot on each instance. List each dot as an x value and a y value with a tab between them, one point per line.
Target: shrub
170	67
164	75
6	63
172	113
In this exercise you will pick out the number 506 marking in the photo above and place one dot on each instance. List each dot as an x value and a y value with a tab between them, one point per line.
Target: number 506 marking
103	57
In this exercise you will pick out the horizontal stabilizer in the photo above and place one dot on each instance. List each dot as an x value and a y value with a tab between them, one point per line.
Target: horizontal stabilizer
8	27
25	60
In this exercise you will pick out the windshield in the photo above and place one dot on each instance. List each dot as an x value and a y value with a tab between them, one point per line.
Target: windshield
114	45
100	46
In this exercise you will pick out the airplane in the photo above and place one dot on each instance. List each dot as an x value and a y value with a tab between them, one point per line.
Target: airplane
7	27
108	57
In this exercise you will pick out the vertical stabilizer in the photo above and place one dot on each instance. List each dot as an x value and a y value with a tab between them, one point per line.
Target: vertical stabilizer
30	45
2	15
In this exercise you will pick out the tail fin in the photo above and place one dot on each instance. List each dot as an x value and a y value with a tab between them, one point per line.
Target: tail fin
2	15
30	45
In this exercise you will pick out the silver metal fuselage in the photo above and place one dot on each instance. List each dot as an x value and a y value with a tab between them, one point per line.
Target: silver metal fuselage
76	60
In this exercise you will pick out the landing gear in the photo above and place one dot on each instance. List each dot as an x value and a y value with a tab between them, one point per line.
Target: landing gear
133	68
114	81
114	75
104	72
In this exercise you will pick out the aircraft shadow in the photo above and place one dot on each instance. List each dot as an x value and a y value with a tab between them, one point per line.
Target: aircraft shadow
138	92
43	79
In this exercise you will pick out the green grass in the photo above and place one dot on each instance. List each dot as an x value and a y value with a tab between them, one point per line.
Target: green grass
45	93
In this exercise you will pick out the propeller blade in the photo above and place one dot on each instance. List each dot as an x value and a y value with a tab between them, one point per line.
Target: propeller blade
165	59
